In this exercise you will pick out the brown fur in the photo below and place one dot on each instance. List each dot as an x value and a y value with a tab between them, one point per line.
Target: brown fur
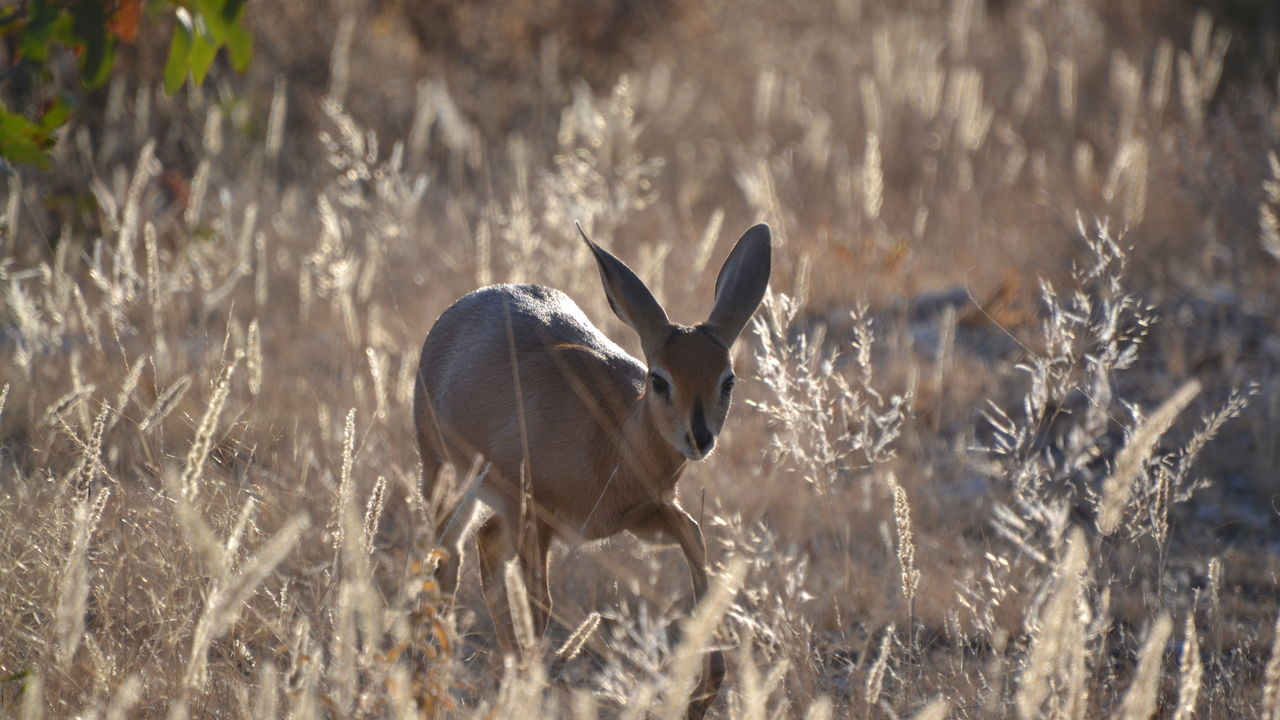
578	443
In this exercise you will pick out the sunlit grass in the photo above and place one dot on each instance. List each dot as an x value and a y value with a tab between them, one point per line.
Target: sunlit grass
991	450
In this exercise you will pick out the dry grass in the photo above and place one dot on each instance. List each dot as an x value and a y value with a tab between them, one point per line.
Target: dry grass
993	451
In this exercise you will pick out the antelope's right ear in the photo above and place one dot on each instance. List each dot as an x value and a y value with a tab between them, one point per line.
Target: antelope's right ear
741	284
630	299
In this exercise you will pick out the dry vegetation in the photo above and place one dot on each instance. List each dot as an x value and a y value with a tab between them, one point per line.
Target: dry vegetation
1013	410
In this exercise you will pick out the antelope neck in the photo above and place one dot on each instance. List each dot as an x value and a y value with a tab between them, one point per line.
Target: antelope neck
644	453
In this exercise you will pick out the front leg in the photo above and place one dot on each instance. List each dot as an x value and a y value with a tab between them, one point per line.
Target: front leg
665	523
670	522
688	534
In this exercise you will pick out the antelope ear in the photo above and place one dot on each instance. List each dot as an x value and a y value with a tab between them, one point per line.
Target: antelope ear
630	299
741	284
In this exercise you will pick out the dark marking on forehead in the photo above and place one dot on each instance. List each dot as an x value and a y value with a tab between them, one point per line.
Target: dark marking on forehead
706	332
690	336
701	331
694	357
675	330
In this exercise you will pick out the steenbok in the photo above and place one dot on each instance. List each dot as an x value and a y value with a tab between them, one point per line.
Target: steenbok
580	440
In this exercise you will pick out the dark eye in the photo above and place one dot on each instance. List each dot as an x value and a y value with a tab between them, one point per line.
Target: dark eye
660	386
727	386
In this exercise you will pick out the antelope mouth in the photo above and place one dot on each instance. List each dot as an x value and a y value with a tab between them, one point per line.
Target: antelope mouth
691	451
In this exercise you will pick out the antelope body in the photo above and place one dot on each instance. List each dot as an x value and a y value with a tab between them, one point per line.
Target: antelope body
581	440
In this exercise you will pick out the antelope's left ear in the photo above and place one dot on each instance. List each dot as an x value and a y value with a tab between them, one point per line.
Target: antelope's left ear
741	284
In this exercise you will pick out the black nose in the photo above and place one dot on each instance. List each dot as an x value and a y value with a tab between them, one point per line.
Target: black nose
703	440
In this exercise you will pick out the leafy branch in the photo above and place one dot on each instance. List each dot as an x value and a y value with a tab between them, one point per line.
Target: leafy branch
35	31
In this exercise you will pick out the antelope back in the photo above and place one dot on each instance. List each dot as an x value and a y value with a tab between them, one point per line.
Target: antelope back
574	383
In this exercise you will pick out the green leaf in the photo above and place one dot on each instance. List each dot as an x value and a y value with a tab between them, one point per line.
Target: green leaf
233	11
89	29
239	39
225	20
222	16
11	20
22	674
204	48
57	114
240	47
211	11
33	41
22	141
179	62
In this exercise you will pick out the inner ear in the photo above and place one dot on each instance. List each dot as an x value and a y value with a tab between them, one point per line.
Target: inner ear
630	298
741	284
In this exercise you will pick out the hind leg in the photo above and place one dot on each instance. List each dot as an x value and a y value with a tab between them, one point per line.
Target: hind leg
535	559
495	549
453	522
456	525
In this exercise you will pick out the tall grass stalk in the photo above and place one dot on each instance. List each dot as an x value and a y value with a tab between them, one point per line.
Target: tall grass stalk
874	684
906	557
229	591
200	446
1053	671
696	635
33	699
1141	701
76	577
1271	678
1190	672
1118	486
935	710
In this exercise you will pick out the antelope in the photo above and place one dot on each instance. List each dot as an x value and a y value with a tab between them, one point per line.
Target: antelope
580	440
